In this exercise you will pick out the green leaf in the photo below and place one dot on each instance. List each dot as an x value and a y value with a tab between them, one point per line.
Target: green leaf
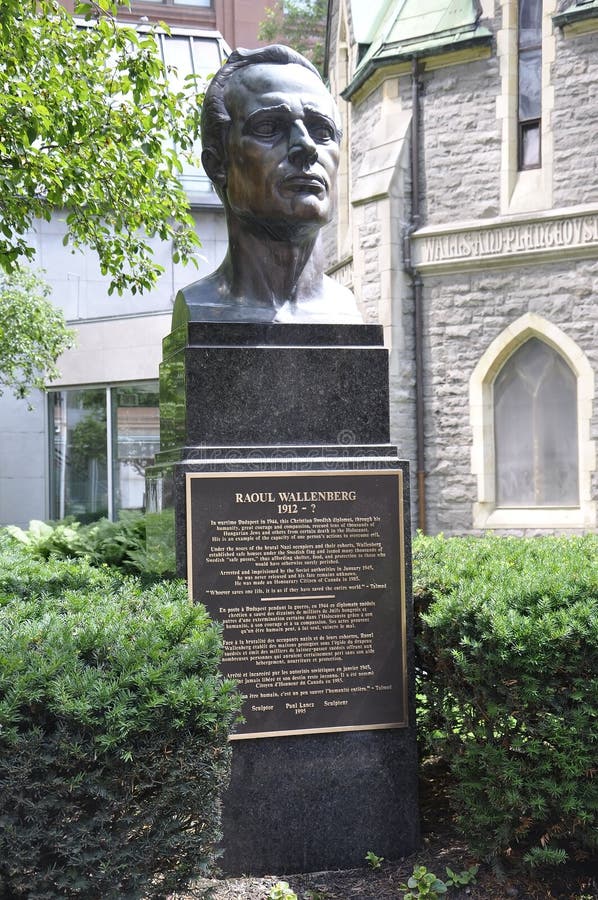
33	335
77	104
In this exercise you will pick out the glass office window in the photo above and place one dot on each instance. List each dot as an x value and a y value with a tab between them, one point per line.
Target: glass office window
79	454
135	441
205	3
192	55
101	440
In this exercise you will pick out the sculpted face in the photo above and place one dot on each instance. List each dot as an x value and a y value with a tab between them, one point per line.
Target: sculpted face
283	148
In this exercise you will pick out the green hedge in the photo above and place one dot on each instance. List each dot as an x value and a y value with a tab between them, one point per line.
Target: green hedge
113	732
508	659
507	637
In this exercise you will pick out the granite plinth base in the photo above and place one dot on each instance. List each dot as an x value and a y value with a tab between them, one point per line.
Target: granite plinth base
293	398
310	802
316	802
255	384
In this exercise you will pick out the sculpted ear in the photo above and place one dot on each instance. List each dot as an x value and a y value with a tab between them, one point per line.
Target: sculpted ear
214	166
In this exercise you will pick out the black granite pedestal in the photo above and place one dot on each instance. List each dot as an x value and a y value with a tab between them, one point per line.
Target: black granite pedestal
263	398
226	385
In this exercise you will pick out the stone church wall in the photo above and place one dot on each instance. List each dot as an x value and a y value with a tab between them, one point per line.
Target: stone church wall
546	266
464	313
575	120
460	139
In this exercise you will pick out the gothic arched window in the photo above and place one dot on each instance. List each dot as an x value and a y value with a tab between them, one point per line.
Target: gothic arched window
535	429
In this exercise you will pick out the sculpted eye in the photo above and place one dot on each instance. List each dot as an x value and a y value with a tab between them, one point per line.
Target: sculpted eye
322	131
266	128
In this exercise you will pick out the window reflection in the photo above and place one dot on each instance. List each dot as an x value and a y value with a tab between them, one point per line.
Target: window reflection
176	53
530	95
206	57
192	55
135	441
102	439
530	23
79	454
204	3
530	145
535	429
530	82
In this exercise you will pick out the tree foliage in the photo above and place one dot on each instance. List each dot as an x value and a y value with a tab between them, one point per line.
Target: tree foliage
300	24
33	333
90	124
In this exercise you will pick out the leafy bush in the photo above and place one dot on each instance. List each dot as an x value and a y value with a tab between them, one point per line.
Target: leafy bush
113	732
121	544
507	655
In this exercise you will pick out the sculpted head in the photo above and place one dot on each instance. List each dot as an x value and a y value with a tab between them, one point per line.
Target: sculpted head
270	135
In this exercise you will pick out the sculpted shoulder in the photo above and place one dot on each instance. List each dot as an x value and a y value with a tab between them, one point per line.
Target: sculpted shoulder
210	300
336	305
342	297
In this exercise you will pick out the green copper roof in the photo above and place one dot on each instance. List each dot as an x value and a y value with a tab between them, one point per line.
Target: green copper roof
575	11
402	29
366	15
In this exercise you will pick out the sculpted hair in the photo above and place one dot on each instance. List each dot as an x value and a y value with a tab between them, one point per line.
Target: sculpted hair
215	119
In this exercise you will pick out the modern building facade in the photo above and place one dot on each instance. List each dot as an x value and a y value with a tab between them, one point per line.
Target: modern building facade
82	450
236	20
468	226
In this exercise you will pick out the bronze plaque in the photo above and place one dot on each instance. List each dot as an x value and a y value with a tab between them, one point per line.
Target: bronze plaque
306	573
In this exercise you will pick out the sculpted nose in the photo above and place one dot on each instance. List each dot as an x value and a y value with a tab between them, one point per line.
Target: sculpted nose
302	148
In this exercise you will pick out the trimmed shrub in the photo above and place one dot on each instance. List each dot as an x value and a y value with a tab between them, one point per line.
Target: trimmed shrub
507	655
113	732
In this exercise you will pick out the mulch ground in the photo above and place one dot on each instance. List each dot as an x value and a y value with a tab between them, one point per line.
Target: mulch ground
441	847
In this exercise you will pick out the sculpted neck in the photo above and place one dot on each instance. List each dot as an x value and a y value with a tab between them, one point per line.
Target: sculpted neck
266	271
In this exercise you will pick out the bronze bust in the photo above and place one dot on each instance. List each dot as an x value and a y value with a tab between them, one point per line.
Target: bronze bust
270	135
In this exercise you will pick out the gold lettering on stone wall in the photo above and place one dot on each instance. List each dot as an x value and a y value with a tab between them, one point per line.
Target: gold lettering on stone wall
500	242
